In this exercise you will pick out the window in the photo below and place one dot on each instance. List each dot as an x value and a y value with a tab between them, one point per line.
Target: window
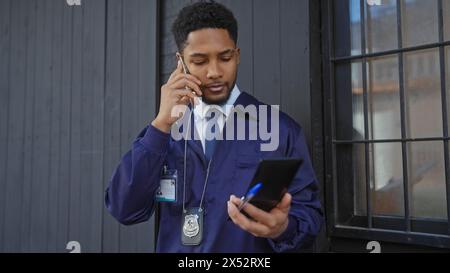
389	92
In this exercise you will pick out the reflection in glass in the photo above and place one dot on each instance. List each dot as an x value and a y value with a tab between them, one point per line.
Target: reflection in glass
351	175
347	22
427	180
447	82
446	10
384	119
355	27
384	98
359	179
386	178
357	102
423	94
349	102
422	103
419	22
381	26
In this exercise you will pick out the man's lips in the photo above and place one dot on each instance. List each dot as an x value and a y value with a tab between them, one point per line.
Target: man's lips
217	87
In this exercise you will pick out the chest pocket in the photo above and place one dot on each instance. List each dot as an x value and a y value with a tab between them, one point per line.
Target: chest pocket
245	168
246	164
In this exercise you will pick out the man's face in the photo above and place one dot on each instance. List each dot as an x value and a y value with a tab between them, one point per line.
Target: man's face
211	55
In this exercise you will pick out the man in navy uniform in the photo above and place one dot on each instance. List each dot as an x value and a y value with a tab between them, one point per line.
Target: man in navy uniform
195	181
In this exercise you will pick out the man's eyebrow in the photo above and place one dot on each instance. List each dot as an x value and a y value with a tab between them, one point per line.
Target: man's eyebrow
198	54
226	51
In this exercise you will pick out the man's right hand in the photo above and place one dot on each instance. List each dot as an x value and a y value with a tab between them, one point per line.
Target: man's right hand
174	93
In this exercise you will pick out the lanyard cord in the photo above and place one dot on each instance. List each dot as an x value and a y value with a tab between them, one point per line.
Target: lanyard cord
184	168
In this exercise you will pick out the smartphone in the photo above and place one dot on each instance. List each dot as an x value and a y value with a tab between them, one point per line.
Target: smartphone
186	71
273	177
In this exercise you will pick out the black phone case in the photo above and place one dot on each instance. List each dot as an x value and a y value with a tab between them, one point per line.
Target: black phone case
275	175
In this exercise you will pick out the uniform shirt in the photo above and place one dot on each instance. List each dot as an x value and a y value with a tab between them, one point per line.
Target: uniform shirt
130	196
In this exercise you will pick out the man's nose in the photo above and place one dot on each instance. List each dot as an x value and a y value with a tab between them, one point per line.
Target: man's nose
214	71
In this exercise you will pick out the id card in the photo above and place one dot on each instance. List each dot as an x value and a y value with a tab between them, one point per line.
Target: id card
167	191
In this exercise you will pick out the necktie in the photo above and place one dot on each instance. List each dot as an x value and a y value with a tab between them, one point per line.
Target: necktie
210	142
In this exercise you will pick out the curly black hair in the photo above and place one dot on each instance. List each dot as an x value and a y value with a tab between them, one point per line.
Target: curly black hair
202	15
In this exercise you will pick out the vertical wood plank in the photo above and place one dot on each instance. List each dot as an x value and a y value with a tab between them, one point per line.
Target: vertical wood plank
266	50
129	101
75	233
28	127
97	194
64	175
14	172
169	11
112	114
86	116
243	11
41	117
147	92
294	56
55	136
92	125
4	98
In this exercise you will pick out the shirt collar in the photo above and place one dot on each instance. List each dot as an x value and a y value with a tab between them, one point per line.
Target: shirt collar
201	109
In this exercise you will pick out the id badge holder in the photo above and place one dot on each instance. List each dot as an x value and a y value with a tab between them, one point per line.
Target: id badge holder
167	191
192	226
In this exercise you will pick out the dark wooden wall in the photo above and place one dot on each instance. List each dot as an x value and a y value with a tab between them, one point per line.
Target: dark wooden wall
76	86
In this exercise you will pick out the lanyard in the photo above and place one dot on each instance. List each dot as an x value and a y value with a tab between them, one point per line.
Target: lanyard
184	170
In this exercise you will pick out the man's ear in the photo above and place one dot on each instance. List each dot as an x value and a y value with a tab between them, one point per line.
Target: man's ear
238	55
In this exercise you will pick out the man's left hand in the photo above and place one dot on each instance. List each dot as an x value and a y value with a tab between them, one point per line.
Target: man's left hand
263	224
